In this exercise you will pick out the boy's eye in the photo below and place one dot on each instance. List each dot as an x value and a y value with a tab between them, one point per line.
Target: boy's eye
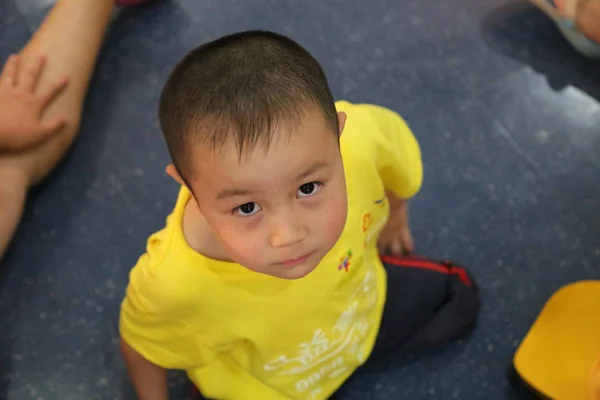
308	189
248	209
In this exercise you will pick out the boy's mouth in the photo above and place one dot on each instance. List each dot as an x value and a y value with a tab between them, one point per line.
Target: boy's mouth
293	262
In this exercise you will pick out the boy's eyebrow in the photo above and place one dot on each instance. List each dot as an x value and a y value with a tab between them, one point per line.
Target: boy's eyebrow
223	194
311	169
241	192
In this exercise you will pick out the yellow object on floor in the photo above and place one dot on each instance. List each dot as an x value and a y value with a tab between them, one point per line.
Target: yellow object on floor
557	355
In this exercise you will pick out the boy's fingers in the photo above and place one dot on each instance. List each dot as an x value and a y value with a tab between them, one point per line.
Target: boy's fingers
396	247
31	74
383	246
407	241
9	71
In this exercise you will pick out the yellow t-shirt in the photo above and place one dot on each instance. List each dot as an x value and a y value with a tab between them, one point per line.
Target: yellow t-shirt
241	335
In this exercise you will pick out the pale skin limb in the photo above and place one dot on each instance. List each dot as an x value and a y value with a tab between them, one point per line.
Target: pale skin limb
87	22
13	192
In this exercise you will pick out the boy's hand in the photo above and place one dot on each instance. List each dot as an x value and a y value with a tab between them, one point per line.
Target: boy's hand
22	105
395	238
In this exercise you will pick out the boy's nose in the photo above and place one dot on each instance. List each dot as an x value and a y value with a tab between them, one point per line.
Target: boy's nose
287	233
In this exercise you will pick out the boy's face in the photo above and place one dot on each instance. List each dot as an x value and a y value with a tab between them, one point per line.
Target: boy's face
276	211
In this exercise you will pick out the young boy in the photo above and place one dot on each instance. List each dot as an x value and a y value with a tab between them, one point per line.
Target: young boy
266	282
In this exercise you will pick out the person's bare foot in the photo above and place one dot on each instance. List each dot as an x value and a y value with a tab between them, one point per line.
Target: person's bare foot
578	20
588	19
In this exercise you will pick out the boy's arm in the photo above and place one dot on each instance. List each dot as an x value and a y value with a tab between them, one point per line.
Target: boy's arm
396	237
149	380
397	156
157	328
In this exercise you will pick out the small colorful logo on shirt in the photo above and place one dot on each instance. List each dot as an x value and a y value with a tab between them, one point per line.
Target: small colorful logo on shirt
345	261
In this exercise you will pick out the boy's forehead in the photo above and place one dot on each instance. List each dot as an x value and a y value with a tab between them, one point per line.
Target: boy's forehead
282	160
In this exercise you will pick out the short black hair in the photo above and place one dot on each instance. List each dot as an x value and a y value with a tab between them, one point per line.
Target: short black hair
236	89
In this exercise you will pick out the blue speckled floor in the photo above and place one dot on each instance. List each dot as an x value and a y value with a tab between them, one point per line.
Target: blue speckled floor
507	115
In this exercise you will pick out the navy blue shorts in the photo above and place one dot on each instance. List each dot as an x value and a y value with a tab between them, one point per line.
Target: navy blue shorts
428	304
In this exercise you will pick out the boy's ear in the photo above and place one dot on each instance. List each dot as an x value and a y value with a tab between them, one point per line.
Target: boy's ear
341	121
173	173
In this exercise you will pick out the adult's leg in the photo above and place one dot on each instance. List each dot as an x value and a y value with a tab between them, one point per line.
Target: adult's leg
13	191
70	38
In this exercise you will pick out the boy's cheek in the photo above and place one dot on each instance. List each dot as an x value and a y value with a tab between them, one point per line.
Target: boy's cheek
334	218
239	246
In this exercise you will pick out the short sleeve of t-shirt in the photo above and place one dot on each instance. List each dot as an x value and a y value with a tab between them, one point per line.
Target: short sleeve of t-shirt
392	145
154	320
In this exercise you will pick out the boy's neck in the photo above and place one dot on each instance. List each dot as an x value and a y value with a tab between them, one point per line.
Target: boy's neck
199	236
